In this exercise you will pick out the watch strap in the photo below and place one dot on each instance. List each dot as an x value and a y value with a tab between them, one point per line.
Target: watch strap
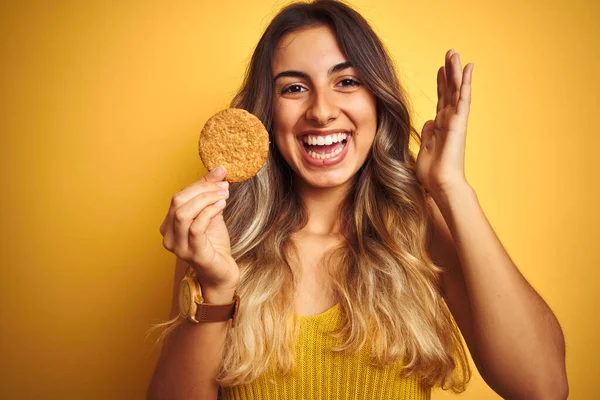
218	312
203	312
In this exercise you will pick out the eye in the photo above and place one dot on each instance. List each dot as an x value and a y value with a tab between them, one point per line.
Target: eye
349	82
292	89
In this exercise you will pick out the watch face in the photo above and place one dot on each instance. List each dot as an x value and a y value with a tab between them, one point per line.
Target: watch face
184	298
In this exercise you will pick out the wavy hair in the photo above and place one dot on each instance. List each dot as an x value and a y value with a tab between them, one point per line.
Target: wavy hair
388	285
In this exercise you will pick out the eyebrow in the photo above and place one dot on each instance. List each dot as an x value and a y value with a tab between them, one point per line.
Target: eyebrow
299	74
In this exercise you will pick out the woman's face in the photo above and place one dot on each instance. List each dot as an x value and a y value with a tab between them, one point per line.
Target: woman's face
324	117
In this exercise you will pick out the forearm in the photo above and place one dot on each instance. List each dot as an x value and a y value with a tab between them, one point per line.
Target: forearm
190	358
518	338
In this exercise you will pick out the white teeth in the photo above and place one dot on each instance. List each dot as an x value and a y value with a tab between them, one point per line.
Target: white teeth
322	156
324	140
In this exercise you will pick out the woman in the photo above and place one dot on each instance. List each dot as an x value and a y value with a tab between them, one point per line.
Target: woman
351	257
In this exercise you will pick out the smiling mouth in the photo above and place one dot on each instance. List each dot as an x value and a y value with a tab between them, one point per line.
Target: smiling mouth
325	147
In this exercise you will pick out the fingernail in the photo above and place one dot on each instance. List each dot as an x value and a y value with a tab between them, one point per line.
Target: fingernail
220	203
222	193
220	170
223	184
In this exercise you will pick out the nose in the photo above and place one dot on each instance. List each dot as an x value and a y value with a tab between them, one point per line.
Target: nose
322	109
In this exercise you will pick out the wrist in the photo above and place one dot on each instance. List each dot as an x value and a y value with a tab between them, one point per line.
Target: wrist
455	206
217	296
447	198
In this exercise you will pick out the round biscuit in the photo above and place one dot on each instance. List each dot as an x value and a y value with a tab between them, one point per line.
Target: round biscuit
235	139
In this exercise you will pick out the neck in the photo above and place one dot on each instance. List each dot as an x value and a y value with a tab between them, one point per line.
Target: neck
322	207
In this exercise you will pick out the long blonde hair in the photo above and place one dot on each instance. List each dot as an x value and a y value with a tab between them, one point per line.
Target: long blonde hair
388	285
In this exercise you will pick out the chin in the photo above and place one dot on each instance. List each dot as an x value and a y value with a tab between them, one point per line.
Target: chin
325	180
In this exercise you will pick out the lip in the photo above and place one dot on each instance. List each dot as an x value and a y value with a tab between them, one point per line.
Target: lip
328	161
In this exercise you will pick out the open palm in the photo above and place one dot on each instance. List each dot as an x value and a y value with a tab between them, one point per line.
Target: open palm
440	162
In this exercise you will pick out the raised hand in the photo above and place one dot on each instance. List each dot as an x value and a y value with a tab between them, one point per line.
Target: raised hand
440	163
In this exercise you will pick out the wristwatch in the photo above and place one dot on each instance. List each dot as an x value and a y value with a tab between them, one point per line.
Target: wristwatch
193	307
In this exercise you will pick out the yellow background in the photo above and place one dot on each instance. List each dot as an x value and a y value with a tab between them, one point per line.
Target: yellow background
101	104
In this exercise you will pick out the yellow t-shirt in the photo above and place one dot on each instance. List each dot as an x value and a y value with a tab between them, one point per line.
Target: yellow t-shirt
321	374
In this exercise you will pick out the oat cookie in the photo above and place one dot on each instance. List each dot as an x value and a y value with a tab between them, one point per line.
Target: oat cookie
235	139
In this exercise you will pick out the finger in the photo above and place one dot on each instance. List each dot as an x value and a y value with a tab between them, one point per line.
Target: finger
185	215
456	78
464	102
213	176
448	77
197	236
195	189
163	226
427	135
441	89
178	201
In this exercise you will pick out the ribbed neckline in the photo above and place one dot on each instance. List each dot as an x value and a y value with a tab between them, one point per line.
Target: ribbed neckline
324	314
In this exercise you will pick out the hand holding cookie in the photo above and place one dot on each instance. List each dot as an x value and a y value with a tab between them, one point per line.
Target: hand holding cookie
195	232
233	146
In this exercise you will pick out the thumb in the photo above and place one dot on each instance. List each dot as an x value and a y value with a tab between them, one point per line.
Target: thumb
427	135
214	175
